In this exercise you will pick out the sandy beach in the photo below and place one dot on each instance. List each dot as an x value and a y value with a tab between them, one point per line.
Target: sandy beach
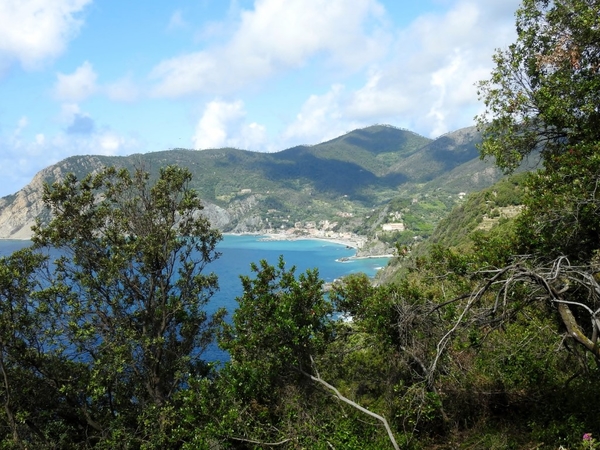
353	243
356	243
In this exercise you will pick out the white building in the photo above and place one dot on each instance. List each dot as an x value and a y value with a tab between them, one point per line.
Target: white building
398	226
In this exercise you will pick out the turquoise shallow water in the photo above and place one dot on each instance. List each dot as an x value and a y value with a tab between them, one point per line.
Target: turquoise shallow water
237	252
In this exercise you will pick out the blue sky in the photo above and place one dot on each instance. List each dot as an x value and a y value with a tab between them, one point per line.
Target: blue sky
117	77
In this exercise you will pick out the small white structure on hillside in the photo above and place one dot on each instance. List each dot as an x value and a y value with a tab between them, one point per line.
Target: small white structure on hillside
397	226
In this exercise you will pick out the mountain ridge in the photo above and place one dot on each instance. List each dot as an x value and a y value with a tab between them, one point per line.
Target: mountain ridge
338	181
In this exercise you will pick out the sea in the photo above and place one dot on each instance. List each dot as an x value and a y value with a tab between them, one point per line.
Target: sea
332	260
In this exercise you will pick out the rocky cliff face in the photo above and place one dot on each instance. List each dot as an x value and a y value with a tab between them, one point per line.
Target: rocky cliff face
18	212
375	248
239	217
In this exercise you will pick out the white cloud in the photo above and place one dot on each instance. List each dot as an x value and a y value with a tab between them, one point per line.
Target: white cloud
77	86
291	32
196	72
277	36
379	98
32	31
110	143
177	21
82	83
123	90
223	125
429	84
68	111
21	125
320	118
24	155
453	92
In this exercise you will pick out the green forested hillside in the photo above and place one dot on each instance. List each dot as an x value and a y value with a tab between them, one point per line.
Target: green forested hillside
441	155
358	164
484	337
341	181
495	204
376	149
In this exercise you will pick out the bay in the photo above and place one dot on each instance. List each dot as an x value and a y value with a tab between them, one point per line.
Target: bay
238	252
331	259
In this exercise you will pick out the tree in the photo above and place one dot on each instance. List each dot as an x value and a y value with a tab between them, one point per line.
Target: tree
30	357
283	326
124	301
562	214
281	322
544	92
544	95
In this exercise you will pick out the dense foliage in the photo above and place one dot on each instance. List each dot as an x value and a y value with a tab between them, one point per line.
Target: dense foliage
544	92
486	338
104	317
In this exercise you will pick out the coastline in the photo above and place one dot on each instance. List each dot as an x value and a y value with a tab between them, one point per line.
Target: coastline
355	242
348	242
351	242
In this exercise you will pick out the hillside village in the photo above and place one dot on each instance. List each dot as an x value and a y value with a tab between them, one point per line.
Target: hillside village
373	184
384	223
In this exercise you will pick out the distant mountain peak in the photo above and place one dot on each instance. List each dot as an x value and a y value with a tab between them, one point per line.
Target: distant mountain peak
252	191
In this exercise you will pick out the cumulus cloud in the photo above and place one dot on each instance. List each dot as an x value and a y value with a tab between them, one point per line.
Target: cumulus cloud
277	36
429	85
176	21
67	114
223	125
112	143
77	86
21	125
25	153
32	31
320	118
122	90
82	83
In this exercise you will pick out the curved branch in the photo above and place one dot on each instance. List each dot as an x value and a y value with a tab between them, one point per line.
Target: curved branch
268	444
472	299
546	279
337	393
575	331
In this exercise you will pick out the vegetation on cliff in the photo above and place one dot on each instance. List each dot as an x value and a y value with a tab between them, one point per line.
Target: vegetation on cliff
340	181
487	337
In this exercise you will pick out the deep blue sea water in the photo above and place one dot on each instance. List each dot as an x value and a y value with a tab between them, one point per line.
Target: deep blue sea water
237	252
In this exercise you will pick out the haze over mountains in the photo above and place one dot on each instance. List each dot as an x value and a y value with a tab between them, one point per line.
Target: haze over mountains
344	179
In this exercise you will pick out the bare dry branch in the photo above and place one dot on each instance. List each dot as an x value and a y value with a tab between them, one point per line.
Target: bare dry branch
268	444
346	400
560	283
